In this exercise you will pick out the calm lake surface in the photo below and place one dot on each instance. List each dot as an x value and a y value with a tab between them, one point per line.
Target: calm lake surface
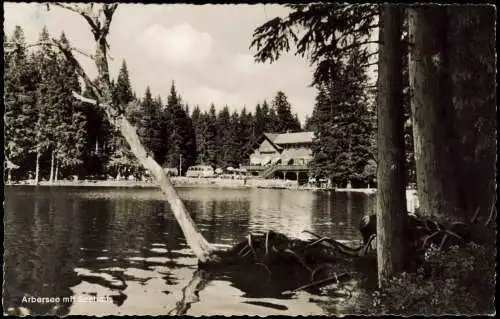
120	251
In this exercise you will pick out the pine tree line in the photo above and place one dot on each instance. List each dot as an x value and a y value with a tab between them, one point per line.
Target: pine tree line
44	125
50	135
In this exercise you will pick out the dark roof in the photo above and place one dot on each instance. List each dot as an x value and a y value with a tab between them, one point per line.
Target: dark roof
271	136
277	139
294	138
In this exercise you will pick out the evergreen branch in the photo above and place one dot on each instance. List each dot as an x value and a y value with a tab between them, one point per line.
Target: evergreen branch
49	43
67	51
356	44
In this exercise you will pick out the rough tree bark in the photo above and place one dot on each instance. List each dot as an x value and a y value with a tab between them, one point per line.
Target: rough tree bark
99	21
37	167
56	173
471	54
391	195
430	102
452	75
52	159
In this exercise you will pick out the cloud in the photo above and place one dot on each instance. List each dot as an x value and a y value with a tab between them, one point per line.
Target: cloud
245	63
204	96
178	45
200	48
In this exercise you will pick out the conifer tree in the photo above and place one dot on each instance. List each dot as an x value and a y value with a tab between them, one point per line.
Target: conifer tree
146	122
259	121
20	104
120	160
180	133
223	137
210	134
285	121
272	121
268	118
245	131
123	89
234	155
46	101
71	137
197	119
341	148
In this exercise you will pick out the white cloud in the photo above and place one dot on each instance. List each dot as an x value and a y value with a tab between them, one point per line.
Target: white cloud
181	44
205	37
246	64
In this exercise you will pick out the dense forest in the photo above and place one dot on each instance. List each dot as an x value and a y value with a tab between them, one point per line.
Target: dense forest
50	135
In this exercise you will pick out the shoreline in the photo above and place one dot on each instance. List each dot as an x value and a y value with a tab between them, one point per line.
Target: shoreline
217	183
198	182
185	182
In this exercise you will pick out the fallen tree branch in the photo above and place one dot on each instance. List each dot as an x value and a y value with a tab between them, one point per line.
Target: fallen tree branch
190	293
476	215
10	46
493	212
84	99
319	283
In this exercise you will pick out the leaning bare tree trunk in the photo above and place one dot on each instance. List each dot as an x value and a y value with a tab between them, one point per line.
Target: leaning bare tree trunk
391	196
100	24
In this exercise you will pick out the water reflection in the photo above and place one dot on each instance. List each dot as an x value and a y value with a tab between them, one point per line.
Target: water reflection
40	253
118	251
288	212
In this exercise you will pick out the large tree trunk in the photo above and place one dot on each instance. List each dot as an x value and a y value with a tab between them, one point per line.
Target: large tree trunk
451	65
391	196
431	111
471	52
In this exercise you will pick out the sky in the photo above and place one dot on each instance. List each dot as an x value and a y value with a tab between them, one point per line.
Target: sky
203	48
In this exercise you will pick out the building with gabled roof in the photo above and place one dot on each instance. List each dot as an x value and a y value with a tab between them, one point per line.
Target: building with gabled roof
285	155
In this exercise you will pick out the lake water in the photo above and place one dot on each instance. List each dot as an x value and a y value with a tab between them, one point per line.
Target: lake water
119	251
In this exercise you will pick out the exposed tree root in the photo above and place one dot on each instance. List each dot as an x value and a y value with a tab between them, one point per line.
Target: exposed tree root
320	283
315	262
